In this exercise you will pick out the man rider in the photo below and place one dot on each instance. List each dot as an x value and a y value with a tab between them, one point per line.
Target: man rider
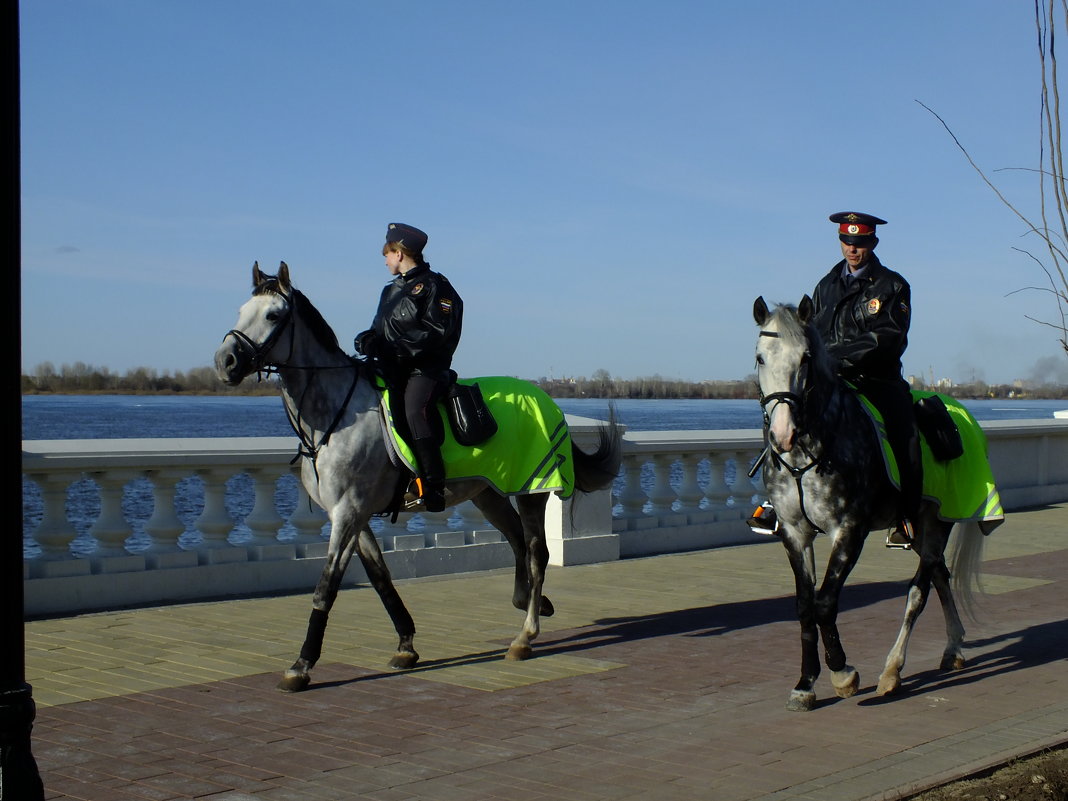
862	311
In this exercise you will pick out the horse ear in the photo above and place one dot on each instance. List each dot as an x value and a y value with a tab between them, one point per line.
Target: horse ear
257	276
804	310
760	310
283	277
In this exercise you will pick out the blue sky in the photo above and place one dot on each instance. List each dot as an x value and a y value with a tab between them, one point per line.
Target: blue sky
609	185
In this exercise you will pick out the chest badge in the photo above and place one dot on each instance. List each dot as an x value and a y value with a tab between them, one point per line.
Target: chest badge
874	305
417	289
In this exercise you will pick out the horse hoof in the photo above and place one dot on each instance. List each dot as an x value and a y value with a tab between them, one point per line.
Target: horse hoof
952	662
517	653
294	682
888	685
403	661
801	701
847	685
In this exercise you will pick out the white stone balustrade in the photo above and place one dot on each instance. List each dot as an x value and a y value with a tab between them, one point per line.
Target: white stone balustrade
678	490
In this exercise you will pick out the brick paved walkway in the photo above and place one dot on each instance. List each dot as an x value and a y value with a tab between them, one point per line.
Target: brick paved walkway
659	678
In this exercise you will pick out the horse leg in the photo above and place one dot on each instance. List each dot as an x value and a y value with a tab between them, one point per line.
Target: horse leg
803	696
503	517
953	655
844	554
932	568
342	545
371	556
532	514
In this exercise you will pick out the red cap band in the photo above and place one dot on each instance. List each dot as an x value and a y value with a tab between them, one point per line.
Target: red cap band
855	229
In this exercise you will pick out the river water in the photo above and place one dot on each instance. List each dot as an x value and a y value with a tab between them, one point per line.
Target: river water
137	416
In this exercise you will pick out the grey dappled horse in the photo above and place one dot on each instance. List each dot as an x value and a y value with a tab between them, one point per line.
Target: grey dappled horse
824	471
334	407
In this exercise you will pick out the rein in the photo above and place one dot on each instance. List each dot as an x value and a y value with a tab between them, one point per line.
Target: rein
797	407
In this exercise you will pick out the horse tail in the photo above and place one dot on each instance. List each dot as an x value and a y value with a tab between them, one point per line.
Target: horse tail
967	566
597	470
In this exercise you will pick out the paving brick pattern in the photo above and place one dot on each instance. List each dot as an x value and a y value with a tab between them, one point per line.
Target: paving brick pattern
658	678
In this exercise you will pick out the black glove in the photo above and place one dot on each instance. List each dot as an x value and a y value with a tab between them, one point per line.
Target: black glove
366	343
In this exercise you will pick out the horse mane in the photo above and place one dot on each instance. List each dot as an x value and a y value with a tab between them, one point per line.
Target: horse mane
303	307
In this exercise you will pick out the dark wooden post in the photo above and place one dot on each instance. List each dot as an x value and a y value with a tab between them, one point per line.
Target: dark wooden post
19	778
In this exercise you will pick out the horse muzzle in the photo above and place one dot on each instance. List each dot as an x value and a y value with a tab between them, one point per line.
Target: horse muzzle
232	362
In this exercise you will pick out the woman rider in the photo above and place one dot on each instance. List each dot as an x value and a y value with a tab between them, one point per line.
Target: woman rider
413	337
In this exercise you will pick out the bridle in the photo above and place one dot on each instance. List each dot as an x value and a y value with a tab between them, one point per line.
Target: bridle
796	403
257	356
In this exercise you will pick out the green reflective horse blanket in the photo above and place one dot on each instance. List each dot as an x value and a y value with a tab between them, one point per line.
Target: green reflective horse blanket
964	487
531	451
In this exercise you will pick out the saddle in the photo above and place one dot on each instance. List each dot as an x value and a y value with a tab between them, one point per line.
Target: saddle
530	451
963	484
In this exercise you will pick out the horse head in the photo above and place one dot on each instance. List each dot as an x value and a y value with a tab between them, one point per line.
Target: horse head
783	357
257	340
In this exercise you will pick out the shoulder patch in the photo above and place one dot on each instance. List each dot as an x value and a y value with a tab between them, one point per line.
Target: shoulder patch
445	304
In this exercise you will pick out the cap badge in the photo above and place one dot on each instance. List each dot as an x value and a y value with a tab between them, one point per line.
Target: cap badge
853	229
874	305
851	217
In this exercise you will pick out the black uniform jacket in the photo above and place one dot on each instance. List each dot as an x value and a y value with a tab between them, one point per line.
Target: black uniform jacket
865	321
418	321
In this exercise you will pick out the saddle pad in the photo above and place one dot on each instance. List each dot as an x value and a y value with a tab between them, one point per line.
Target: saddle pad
964	487
531	451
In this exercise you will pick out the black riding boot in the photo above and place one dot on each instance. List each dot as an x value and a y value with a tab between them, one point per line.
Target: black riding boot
911	474
431	473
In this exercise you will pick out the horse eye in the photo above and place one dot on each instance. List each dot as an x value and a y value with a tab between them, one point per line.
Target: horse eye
760	360
273	315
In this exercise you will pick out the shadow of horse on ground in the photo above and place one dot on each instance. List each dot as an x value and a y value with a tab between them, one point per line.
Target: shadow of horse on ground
1031	647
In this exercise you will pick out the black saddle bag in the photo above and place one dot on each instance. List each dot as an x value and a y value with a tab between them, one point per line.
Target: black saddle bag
937	426
469	417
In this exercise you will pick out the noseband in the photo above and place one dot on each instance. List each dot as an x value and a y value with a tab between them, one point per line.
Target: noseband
792	399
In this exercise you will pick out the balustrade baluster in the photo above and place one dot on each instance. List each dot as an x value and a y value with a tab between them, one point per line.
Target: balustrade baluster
55	532
633	497
111	529
215	523
662	495
717	491
264	520
690	492
164	528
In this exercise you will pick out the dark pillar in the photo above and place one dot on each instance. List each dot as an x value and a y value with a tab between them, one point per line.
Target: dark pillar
19	778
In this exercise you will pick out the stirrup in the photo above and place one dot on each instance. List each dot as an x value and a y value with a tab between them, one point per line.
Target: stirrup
415	496
902	536
764	520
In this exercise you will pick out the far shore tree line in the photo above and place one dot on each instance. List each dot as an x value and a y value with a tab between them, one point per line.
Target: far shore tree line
84	379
